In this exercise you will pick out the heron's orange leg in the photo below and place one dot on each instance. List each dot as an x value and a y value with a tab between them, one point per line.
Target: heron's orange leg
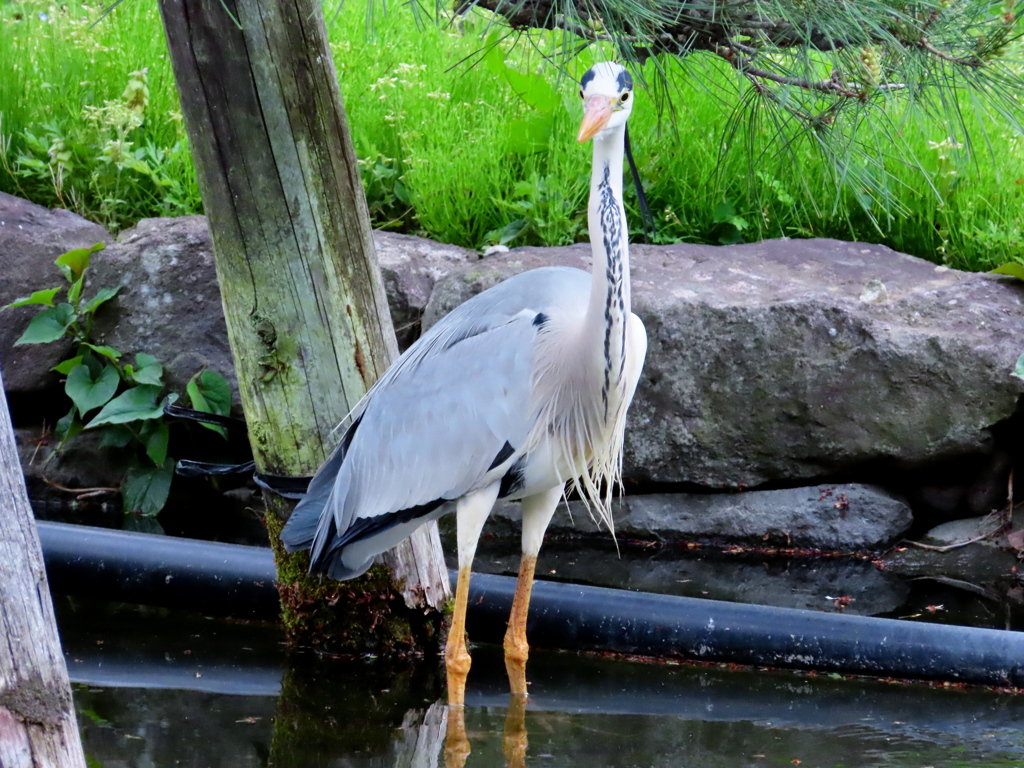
514	740
456	743
456	656
517	650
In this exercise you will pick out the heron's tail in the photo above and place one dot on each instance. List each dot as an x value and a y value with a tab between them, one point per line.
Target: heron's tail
300	530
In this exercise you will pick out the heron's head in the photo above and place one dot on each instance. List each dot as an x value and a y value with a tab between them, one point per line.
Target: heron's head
607	93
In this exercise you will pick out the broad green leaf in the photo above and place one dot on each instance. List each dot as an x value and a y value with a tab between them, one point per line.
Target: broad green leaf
103	296
1018	370
116	436
723	212
65	368
533	89
195	395
108	352
140	524
39	297
148	370
210	392
136	404
532	134
75	262
67	427
155	436
402	193
49	325
88	393
146	488
216	390
1012	268
512	230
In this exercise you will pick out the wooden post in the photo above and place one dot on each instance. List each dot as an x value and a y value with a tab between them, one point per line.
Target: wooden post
306	311
37	718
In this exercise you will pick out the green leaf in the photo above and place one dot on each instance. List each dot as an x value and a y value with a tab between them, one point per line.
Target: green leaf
116	436
146	488
402	193
1018	370
136	404
149	370
141	524
65	368
102	297
67	427
75	291
723	212
49	325
532	134
1012	268
108	352
73	263
39	297
210	392
512	230
88	393
216	390
155	436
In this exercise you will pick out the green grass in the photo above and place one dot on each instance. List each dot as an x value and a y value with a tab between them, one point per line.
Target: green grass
449	149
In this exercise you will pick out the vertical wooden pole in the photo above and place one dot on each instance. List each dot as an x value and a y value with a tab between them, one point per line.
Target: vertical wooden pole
306	311
37	719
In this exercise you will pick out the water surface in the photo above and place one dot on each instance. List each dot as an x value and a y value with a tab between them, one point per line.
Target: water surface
160	688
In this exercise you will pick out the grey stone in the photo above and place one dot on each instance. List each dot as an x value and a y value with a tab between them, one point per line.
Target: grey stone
838	518
986	567
410	267
82	464
814	583
170	304
785	360
31	238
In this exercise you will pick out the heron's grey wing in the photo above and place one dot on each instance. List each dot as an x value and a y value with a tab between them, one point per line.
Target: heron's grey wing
433	427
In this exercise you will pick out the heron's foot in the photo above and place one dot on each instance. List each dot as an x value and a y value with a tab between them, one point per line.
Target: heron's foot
456	743
514	740
457	662
516	653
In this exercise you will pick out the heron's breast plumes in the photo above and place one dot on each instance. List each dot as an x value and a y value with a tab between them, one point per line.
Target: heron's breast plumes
579	414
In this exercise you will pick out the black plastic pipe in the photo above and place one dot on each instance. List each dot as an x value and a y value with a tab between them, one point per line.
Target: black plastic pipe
205	576
233	580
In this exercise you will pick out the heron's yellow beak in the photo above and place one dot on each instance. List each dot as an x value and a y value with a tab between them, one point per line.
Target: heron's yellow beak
596	113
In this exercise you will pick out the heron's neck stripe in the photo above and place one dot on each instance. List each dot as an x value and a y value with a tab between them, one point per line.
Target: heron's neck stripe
610	218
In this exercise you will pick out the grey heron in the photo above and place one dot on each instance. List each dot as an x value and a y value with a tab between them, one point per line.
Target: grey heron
517	392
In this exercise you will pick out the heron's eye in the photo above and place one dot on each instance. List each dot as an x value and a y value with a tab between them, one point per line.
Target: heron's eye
624	97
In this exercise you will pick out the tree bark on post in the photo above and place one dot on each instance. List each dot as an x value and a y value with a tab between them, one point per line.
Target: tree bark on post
305	306
37	719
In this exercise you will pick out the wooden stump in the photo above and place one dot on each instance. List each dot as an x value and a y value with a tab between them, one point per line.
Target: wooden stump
37	718
305	306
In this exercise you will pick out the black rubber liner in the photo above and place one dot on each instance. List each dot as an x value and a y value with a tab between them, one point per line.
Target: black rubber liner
227	579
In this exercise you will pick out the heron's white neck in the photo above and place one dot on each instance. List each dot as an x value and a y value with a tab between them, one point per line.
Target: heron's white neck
609	306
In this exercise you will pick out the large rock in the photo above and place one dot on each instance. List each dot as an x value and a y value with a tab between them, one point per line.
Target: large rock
834	584
793	360
410	267
31	238
170	305
837	518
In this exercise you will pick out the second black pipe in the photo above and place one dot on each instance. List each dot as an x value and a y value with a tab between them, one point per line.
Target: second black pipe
228	579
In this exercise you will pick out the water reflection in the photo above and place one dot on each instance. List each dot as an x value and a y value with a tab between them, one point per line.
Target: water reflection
225	695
